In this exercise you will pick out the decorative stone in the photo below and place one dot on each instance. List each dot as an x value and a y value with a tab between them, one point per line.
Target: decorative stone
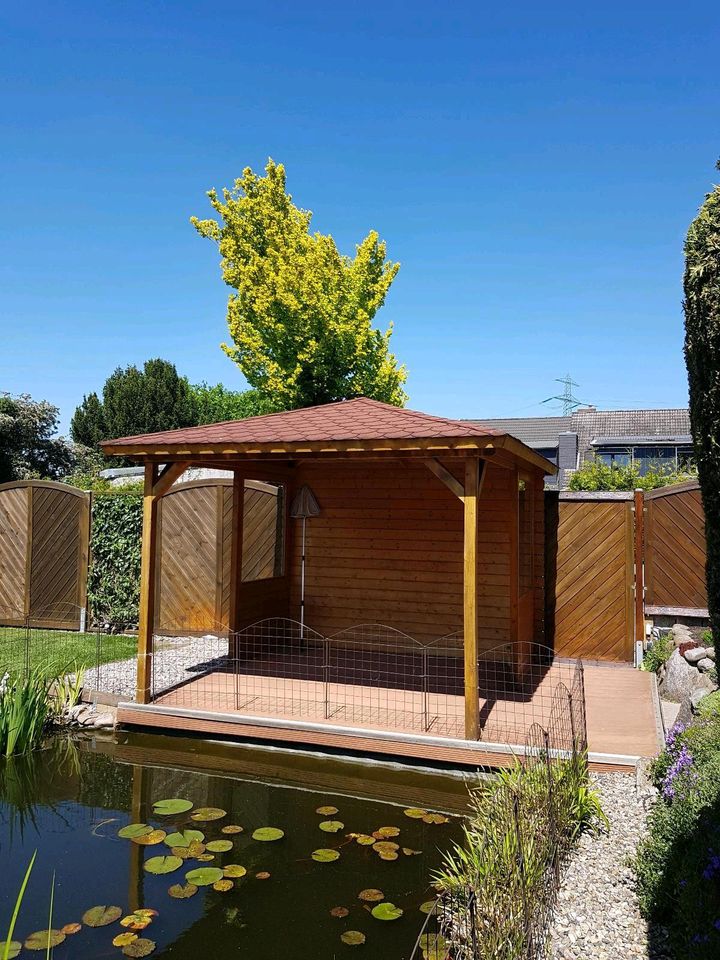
710	652
695	654
696	696
678	681
681	634
705	664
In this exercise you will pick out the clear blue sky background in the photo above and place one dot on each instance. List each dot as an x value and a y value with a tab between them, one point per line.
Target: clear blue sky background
533	166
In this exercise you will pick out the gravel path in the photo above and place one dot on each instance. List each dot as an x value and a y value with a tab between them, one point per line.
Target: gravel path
597	916
175	659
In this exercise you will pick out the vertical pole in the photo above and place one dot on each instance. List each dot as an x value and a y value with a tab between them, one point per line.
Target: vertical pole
426	688
302	583
470	598
236	552
639	567
146	622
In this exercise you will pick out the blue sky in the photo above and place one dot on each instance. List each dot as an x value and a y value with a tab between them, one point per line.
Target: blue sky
533	167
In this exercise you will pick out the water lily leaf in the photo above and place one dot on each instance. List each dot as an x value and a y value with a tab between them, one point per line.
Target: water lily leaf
196	849
182	891
69	929
167	808
427	907
182	852
204	857
150	839
13	949
353	938
263	875
183	838
325	856
206	814
384	832
231	828
204	876
223	885
234	870
219	846
434	946
385	846
415	813
147	912
389	855
139	948
101	916
137	920
364	840
327	811
268	833
371	895
386	911
339	912
132	830
435	818
331	826
162	864
123	939
44	940
409	852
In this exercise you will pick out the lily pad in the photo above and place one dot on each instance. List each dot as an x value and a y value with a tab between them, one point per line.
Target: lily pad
234	870
162	864
386	911
168	808
204	876
371	895
183	838
263	875
219	846
268	833
434	946
385	847
409	852
132	830
196	849
231	828
339	912
207	814
435	818
223	885
138	920
44	940
150	839
364	840
69	929
13	949
182	852
331	826
204	857
101	916
325	856
353	938
385	832
139	948
123	939
427	907
182	891
415	813
327	811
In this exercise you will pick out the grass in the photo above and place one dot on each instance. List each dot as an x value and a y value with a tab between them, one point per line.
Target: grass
59	648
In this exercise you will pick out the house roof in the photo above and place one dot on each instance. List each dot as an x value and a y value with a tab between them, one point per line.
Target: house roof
360	421
536	432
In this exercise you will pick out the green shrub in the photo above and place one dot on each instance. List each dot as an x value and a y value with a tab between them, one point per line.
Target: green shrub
709	707
595	475
115	545
658	654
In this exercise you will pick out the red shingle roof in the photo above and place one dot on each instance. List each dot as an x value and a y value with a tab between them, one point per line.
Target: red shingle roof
359	419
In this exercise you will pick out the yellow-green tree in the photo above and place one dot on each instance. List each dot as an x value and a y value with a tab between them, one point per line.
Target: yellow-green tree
301	314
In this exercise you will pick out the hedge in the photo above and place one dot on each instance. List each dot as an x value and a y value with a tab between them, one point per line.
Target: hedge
115	543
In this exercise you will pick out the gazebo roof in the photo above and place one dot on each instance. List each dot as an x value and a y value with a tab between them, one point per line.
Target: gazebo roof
354	426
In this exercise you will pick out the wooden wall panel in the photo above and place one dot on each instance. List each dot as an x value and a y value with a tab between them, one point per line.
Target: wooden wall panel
13	552
675	551
58	568
589	578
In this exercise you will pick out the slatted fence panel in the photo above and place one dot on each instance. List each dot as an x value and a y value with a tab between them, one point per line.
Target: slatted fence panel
675	551
13	551
589	577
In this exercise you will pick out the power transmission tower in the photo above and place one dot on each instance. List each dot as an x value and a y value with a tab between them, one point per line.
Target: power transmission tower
567	399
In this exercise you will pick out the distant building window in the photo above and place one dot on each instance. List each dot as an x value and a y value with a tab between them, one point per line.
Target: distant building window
615	456
550	453
659	457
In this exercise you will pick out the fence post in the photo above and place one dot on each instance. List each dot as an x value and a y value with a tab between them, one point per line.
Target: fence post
639	568
326	675
425	686
26	666
523	875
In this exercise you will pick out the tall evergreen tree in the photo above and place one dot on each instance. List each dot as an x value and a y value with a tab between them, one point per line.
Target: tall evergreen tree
702	356
88	422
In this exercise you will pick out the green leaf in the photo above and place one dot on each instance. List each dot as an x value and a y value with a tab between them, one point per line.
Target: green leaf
44	940
353	938
219	846
331	826
183	838
268	833
161	865
9	949
204	876
101	916
325	856
386	911
133	830
327	811
207	814
371	895
142	947
234	870
427	907
167	808
415	813
182	891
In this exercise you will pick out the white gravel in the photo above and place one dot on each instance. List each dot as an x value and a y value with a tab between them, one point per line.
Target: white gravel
175	659
597	915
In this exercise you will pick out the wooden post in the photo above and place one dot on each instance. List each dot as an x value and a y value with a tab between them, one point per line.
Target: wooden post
639	568
470	598
236	553
146	621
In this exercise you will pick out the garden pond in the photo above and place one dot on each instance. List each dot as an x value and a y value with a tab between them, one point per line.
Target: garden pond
267	853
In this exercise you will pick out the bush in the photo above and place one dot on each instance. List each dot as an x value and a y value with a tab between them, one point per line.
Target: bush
595	475
658	654
677	864
709	707
115	545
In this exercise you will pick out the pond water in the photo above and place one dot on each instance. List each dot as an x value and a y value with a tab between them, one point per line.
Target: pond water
69	801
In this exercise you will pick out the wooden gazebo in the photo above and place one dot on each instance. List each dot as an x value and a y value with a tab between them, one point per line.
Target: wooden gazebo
430	527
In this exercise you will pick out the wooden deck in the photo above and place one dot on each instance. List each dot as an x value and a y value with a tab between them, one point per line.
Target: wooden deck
621	707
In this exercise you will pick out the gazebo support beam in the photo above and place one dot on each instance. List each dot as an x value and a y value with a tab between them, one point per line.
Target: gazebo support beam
474	475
